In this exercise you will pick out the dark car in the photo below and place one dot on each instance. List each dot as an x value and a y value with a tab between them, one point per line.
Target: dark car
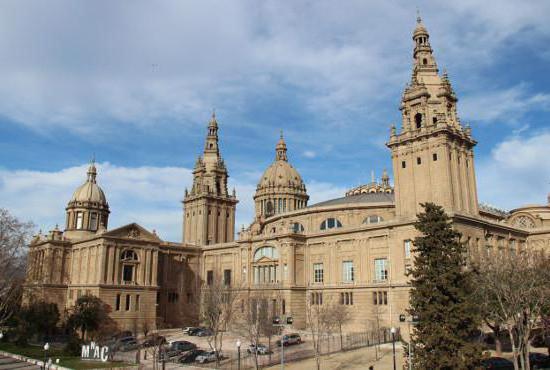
189	357
497	363
182	346
539	361
290	339
204	333
154	340
194	331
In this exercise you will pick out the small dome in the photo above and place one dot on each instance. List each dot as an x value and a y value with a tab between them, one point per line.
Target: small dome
89	191
420	29
281	173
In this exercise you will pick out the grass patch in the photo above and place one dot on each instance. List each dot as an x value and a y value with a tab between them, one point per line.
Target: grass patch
37	352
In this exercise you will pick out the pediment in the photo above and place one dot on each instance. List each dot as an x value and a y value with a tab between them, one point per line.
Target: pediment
265	260
132	231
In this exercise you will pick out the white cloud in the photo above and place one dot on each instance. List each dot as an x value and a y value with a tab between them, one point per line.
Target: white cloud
517	172
310	154
507	105
147	195
78	65
150	196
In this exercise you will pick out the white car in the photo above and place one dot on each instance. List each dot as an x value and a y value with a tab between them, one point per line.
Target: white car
208	356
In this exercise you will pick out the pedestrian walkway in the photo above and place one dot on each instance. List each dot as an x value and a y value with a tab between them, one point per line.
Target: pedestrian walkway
9	363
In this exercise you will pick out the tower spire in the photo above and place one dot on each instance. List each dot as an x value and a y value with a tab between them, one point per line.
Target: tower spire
92	171
211	144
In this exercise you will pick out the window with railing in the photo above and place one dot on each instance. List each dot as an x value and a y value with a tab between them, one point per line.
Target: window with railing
348	273
381	269
318	273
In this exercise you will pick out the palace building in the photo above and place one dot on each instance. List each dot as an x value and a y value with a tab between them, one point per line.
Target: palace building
354	250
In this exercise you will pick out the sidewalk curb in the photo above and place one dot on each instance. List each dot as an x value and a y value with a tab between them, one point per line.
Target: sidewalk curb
32	360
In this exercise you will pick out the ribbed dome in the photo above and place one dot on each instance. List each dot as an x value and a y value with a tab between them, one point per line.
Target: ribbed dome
89	191
281	173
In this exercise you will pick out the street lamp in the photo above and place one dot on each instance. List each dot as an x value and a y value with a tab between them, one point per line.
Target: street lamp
46	348
238	354
393	345
1	335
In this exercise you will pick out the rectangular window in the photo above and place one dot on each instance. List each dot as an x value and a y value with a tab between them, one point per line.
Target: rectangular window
318	272
385	298
137	303
79	218
127	273
117	302
346	298
93	221
403	164
407	246
209	277
374	298
380	298
348	273
127	302
316	298
227	277
284	307
418	160
434	156
380	269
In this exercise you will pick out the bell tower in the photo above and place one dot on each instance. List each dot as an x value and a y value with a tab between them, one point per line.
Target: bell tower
432	154
209	210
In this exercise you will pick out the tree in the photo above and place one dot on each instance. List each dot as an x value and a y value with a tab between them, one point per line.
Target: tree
340	315
88	314
217	309
39	317
518	284
441	296
319	323
14	238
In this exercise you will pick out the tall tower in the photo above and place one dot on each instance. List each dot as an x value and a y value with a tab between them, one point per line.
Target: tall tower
209	210
433	159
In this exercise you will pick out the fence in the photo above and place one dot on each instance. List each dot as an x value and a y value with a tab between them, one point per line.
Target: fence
328	344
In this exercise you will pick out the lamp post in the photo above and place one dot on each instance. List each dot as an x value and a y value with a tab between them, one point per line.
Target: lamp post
393	345
238	354
46	348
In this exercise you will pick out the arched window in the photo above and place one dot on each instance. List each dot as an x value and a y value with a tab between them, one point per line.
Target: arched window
266	271
424	61
269	252
525	222
298	227
373	219
330	223
418	120
128	255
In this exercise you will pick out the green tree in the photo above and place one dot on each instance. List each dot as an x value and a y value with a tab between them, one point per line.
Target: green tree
441	296
37	318
87	315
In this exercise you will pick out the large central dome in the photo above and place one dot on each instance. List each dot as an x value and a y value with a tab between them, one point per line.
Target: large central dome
281	187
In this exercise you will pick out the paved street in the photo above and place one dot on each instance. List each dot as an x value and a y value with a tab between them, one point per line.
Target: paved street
8	363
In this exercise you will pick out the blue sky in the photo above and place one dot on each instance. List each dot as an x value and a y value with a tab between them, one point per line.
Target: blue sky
135	83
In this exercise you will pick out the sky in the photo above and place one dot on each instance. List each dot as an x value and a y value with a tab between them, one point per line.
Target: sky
133	83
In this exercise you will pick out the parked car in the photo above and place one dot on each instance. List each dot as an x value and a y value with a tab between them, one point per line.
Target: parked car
153	340
497	363
194	331
289	339
187	329
208	356
260	349
182	346
204	333
539	361
190	356
127	344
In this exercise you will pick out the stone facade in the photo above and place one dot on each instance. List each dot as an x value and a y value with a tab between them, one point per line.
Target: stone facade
353	250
